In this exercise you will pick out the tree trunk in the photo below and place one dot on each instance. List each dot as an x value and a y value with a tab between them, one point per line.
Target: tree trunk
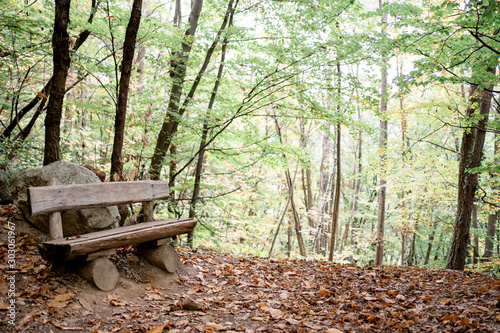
431	242
359	167
61	60
126	72
336	202
203	142
379	255
490	235
470	157
493	216
178	74
295	215
324	187
306	180
475	239
338	179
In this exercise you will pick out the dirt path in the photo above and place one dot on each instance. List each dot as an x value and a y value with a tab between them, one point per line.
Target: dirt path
246	294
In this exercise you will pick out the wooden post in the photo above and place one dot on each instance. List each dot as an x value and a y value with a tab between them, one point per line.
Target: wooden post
55	220
100	272
147	206
164	257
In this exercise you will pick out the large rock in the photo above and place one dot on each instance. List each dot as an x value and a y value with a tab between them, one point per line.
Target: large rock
75	222
5	196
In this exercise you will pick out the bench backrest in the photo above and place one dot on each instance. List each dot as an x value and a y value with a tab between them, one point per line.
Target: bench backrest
49	199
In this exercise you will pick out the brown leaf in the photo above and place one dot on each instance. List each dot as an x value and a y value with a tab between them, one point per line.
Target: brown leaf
214	326
55	304
63	297
323	291
333	330
158	329
86	305
56	324
191	304
452	318
118	302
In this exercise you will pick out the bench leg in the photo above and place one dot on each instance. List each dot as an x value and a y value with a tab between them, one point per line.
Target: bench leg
101	272
164	256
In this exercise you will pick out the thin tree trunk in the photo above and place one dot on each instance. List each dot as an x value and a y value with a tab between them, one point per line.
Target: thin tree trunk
306	180
379	255
61	60
475	239
172	166
359	166
201	154
295	216
470	158
178	73
278	229
324	188
490	235
338	179
336	203
493	216
122	98
431	242
289	183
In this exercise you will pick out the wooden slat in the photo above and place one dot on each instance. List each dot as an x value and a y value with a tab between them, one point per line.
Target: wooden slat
72	247
48	199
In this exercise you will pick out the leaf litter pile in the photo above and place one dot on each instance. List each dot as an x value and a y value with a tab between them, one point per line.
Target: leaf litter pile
214	292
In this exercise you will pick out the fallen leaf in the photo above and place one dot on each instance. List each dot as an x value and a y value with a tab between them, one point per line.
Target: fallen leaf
191	304
323	291
56	324
214	326
118	302
85	305
453	318
55	304
158	329
333	330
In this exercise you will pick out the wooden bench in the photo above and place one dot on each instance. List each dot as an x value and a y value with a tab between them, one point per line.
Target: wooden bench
89	251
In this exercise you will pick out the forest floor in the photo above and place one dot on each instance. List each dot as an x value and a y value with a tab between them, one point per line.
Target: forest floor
214	292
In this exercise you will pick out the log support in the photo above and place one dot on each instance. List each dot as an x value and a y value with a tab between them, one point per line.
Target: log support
100	272
164	257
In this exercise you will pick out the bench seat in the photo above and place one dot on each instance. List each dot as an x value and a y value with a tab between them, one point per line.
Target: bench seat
76	246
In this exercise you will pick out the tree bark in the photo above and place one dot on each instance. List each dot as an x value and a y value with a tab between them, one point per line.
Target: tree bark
470	157
306	180
178	74
475	239
61	60
338	180
379	255
122	98
431	242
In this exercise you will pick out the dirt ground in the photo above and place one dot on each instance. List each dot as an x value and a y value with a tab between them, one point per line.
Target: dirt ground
213	292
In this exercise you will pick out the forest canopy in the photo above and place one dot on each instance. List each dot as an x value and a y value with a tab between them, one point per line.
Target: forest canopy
354	131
